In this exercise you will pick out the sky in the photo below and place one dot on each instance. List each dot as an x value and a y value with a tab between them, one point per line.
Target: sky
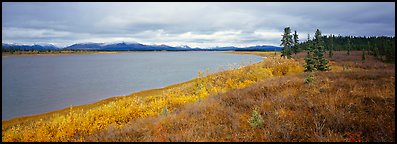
195	24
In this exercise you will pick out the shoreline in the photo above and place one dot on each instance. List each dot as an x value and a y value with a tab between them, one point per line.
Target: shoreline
142	93
27	53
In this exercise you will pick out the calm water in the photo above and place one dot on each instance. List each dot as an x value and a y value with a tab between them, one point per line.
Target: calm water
37	84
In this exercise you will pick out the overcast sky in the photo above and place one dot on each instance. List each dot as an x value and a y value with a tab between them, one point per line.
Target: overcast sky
194	24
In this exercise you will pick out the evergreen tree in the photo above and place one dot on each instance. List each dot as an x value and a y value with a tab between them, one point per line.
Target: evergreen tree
308	37
310	64
321	62
296	43
393	52
376	53
164	111
390	52
363	55
348	46
331	41
256	119
286	42
307	47
368	47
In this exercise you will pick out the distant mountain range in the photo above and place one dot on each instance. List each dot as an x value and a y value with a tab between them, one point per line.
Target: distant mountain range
123	46
30	47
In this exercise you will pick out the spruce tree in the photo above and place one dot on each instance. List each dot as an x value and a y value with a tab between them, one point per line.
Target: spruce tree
348	46
331	41
376	53
321	62
286	42
390	52
296	43
164	111
368	48
363	55
310	64
308	42
256	119
393	52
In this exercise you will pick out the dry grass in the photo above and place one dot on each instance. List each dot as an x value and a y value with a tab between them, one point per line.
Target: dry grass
347	105
353	102
333	108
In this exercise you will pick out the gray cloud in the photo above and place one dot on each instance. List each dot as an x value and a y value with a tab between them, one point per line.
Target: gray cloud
195	24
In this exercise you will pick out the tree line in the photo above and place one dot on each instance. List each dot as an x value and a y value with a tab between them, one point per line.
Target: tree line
382	47
315	50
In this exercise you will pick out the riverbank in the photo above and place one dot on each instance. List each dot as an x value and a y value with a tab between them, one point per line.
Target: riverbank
336	106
